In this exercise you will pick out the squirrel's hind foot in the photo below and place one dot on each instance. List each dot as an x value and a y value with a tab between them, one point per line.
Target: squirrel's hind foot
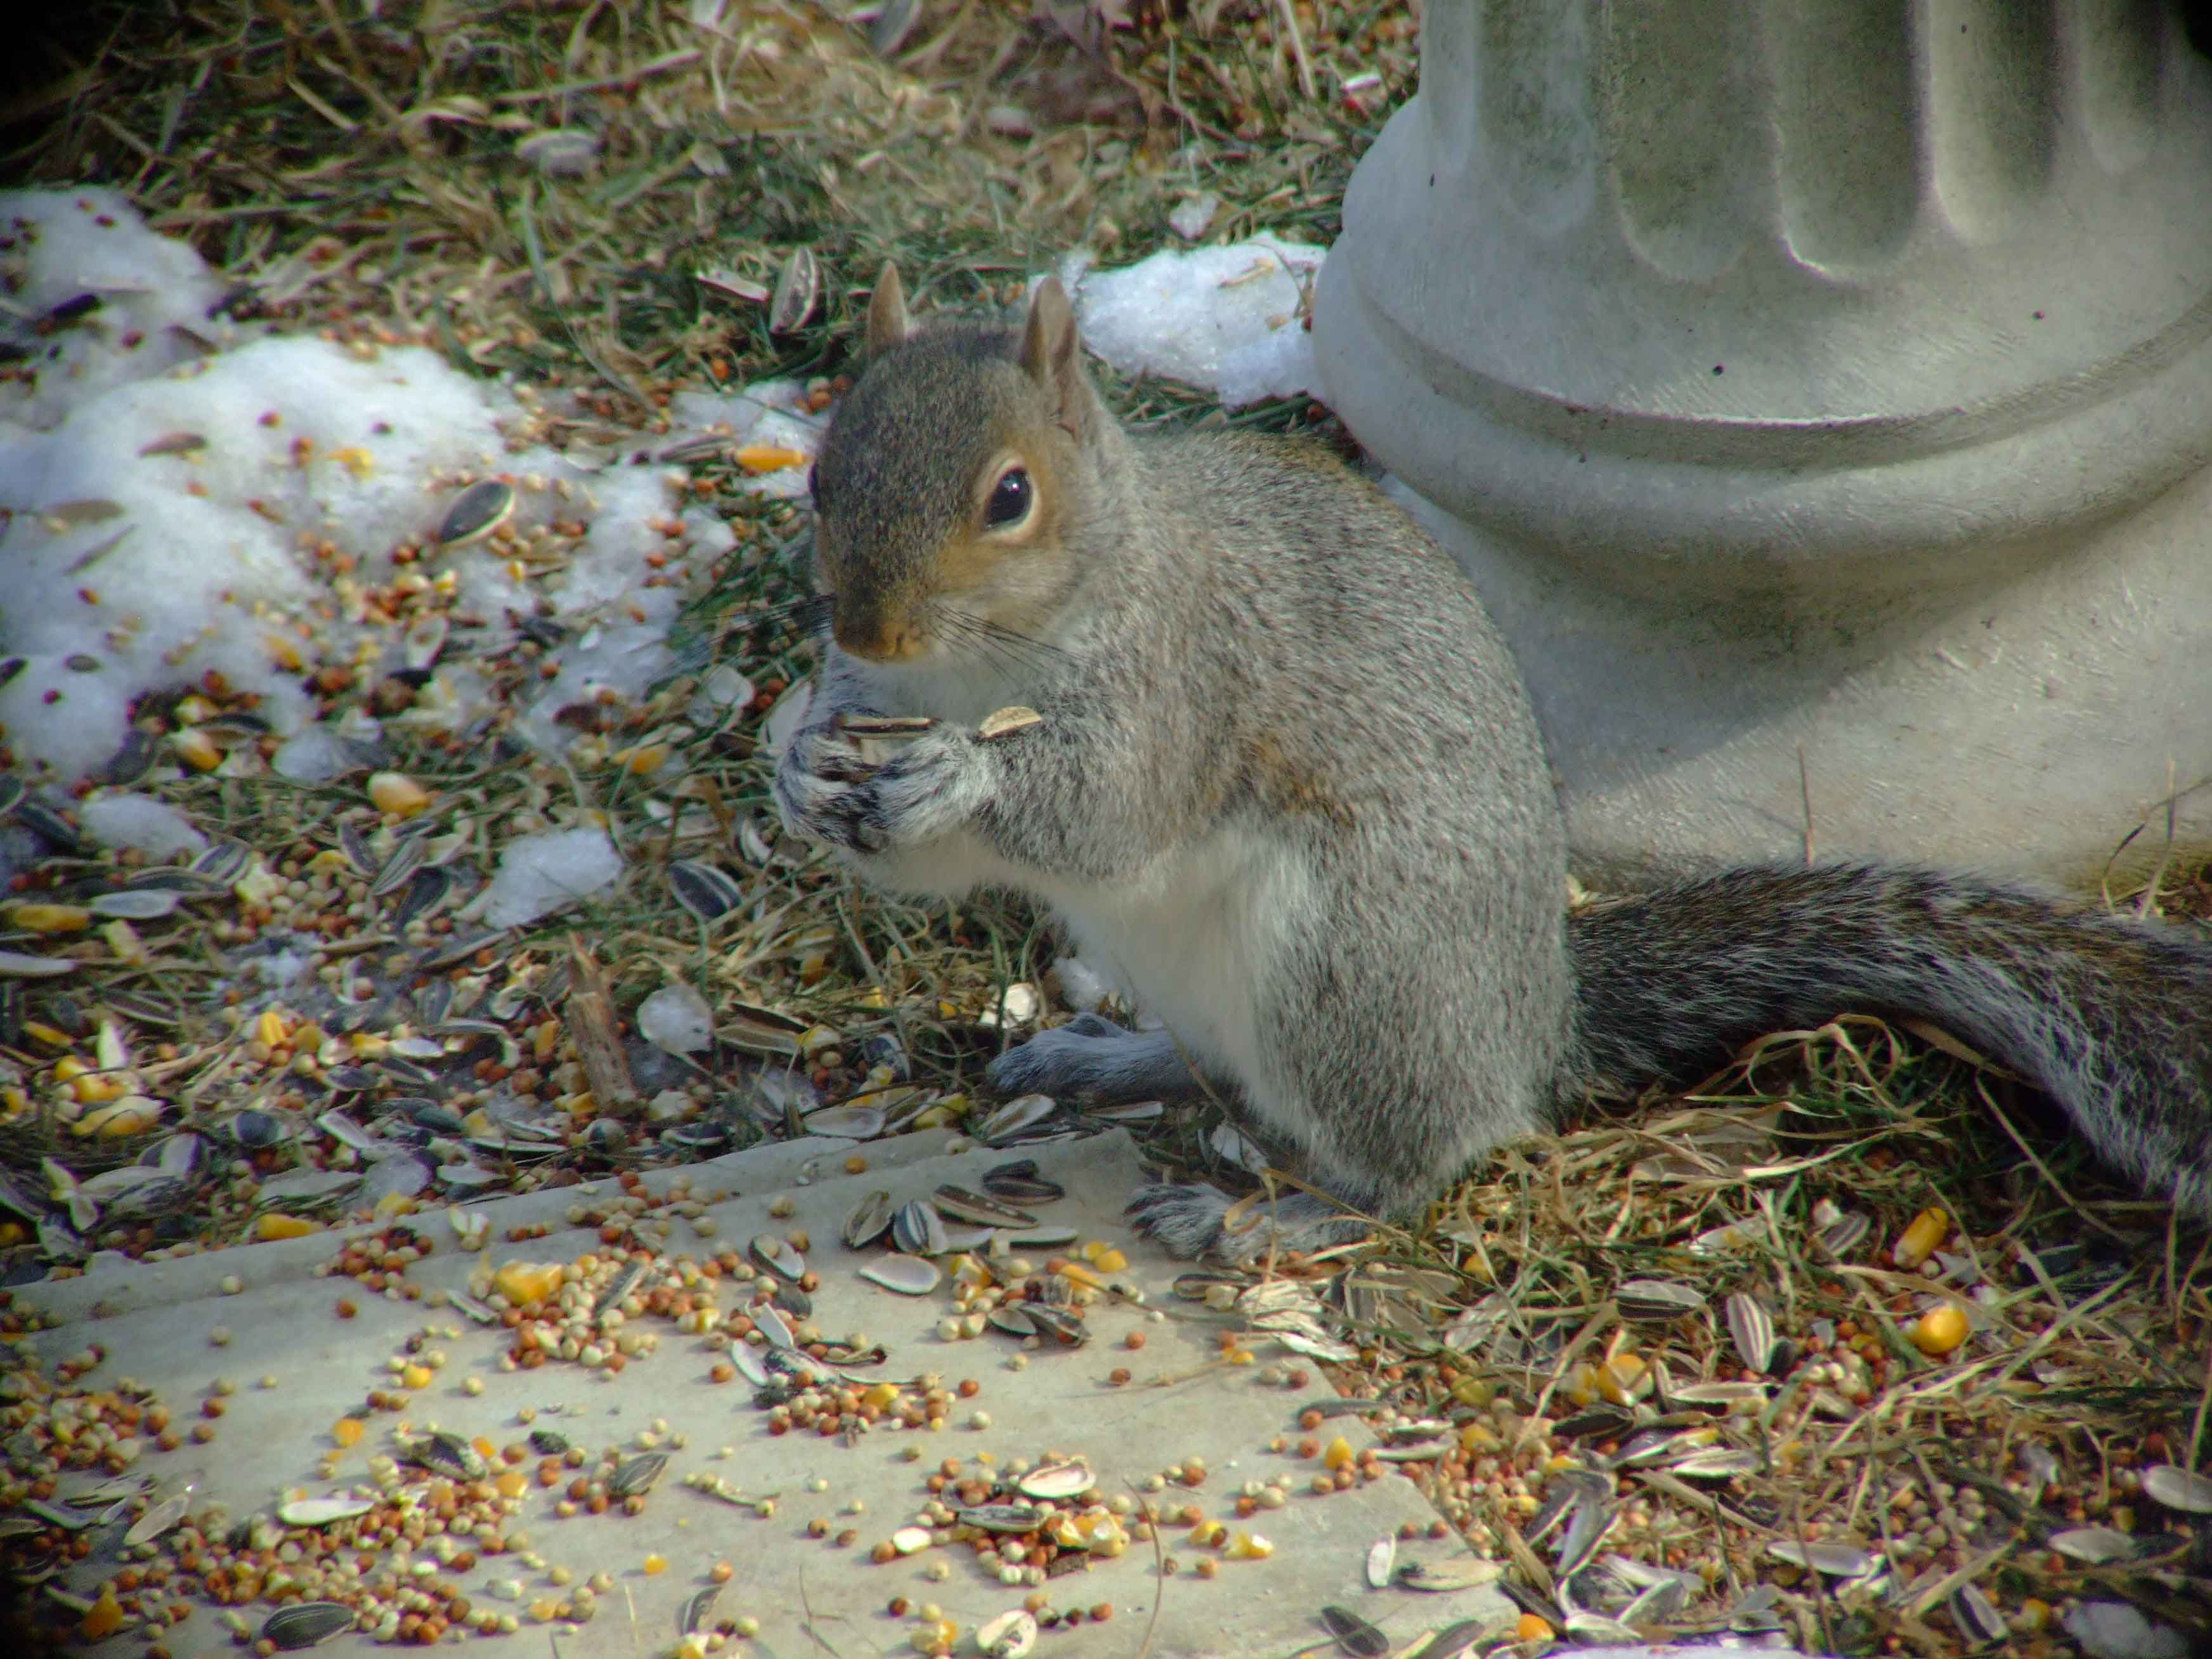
1092	1058
1193	1220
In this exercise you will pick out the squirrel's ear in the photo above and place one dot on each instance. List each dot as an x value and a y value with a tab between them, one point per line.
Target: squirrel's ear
1052	353
887	318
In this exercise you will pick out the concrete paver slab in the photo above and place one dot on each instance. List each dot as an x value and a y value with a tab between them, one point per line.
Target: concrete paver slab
809	1595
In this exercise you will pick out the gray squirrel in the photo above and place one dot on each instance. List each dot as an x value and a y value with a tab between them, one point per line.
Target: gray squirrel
1287	791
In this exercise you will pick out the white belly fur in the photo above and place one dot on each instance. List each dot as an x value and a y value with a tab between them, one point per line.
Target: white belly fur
1189	940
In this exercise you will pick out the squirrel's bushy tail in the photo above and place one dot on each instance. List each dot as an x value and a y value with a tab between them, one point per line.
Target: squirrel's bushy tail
2111	1018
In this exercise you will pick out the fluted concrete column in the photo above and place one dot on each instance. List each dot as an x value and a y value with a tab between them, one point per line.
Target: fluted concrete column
1821	394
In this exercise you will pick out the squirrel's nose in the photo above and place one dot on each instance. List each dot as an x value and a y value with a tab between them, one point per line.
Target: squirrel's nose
877	640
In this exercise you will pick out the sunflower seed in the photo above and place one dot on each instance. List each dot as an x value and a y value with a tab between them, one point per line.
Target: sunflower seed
1840	1235
1354	1635
1720	1394
2178	1489
1019	1182
869	1219
696	1612
1455	1640
960	1203
307	1624
635	1478
426	896
1751	1328
1833	1560
1977	1616
796	289
1009	1318
777	1255
1010	1636
444	1452
136	904
845	1123
1381	1562
1053	1481
1037	1238
1657	1299
476	513
918	1228
881	726
1658	1604
1717	1463
399	869
2095	1545
762	1031
354	844
322	1511
224	861
1004	722
157	1521
705	891
1024	1112
16	964
1001	1517
1058	1323
909	1275
774	1327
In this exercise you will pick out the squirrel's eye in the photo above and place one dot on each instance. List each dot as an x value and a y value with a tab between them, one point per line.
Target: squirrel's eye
1010	499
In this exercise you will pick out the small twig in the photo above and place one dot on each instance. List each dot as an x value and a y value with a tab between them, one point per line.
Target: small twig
1159	1562
1805	794
1306	82
659	65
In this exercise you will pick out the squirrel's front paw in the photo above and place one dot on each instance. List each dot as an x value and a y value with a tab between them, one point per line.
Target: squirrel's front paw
820	784
825	791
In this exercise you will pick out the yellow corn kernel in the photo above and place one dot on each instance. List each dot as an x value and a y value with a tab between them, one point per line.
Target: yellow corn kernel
523	1282
1624	1379
1531	1628
285	654
1918	1241
270	1029
50	918
1250	1547
123	942
768	458
105	1618
348	1431
196	749
273	1225
1479	1436
1940	1330
127	1116
395	791
1338	1454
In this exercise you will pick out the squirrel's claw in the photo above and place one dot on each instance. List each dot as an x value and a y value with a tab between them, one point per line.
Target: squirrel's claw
1192	1219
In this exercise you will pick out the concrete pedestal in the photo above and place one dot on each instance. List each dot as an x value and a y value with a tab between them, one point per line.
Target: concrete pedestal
1821	397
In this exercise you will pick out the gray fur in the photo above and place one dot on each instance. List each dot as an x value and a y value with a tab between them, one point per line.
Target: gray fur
1091	1059
1288	783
